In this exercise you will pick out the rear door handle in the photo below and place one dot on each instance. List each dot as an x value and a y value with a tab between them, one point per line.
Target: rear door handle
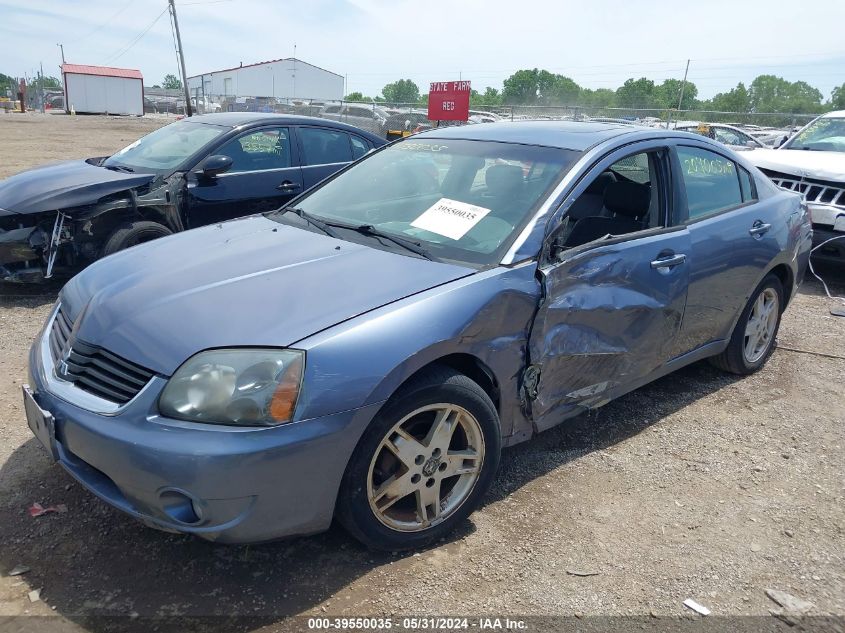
287	185
759	228
669	261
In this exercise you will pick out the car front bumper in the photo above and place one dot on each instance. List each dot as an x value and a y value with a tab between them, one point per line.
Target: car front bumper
225	484
833	251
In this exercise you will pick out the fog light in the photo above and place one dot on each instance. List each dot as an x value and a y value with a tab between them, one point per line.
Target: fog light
180	507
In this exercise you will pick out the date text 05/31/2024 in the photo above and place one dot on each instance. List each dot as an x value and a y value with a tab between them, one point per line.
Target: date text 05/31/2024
415	624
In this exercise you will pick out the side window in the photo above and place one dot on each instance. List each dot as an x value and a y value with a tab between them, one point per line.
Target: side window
624	198
728	137
321	146
746	185
268	148
358	111
359	147
710	181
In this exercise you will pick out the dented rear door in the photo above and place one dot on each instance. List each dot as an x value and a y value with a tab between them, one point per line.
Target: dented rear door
608	319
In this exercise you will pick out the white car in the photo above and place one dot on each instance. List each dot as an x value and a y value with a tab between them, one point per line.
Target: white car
813	163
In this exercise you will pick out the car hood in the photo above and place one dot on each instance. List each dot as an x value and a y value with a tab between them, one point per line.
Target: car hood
249	282
798	162
63	185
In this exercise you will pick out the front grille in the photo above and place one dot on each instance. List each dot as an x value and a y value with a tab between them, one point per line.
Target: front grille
814	190
94	369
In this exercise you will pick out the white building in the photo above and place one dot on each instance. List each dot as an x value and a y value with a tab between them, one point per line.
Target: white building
281	78
102	89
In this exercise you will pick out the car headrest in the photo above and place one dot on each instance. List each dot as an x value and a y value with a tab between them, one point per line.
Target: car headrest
599	184
627	198
503	180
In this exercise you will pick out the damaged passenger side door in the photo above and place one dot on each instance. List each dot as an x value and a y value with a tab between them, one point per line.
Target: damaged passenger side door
613	298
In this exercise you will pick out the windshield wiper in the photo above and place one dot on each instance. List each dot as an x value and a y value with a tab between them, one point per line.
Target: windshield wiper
323	226
369	229
364	229
124	168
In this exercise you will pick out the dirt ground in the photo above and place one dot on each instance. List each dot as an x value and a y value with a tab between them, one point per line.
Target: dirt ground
701	485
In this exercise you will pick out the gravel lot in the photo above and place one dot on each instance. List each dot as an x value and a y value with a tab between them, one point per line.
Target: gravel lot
701	486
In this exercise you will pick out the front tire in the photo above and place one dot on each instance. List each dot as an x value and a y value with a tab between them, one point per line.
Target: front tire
424	463
753	338
133	233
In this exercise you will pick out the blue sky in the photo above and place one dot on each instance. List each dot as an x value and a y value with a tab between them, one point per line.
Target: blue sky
599	43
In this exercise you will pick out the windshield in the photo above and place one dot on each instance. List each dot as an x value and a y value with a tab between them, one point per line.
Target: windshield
825	135
166	148
460	200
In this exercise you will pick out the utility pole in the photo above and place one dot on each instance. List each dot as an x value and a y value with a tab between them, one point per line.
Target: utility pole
188	110
41	86
683	85
63	52
681	98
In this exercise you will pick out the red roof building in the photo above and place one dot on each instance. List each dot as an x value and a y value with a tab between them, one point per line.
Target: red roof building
102	71
103	89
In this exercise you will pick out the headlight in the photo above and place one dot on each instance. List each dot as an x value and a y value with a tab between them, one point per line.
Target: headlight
245	387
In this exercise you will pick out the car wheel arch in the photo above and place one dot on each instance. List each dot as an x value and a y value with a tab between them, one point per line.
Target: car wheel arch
467	364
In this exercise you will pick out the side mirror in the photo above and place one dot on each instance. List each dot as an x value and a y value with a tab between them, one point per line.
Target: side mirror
751	144
216	165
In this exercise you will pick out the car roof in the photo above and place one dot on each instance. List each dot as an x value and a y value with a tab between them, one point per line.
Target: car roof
835	114
238	119
572	135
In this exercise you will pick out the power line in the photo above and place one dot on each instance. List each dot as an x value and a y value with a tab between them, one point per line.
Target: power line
115	56
98	27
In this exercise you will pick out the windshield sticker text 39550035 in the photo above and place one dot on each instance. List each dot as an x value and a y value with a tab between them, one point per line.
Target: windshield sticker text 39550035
450	218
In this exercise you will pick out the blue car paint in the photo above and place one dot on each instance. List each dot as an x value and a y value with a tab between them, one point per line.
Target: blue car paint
286	283
595	325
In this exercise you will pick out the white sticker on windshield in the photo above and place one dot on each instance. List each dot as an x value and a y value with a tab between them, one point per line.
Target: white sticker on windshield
451	218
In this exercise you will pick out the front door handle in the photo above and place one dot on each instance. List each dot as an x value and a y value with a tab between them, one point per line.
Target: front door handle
759	228
668	262
287	185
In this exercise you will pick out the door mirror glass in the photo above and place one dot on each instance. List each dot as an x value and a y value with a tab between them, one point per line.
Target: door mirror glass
216	165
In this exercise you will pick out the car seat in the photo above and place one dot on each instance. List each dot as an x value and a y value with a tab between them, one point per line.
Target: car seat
505	192
591	202
627	204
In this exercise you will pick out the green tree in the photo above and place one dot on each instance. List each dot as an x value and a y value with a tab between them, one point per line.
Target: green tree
532	87
666	95
769	93
402	91
521	88
356	96
556	89
490	98
171	82
8	83
635	93
598	98
734	100
837	98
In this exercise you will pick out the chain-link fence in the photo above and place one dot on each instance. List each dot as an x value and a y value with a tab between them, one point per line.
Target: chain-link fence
379	117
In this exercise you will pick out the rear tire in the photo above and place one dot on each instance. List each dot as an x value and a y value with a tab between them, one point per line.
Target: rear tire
753	338
423	465
133	233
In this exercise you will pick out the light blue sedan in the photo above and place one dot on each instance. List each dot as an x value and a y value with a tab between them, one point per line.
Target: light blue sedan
366	352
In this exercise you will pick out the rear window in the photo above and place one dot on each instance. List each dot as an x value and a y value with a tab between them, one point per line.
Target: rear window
710	180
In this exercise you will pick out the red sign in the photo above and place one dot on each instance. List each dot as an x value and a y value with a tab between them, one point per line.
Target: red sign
449	101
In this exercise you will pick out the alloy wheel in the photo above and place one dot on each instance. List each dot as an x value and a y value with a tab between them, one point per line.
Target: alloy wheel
760	329
425	467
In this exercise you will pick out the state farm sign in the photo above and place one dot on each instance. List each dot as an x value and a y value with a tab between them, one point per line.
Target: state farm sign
449	100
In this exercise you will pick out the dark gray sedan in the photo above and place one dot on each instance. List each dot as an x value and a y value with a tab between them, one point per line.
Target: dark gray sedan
366	352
